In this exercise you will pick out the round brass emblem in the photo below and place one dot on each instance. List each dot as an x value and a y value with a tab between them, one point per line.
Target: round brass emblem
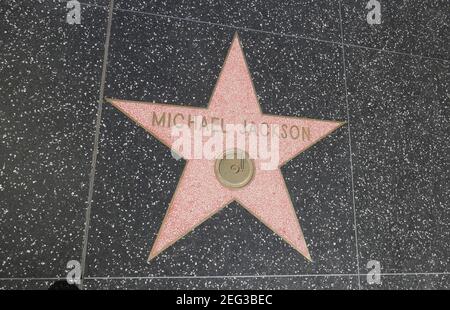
235	169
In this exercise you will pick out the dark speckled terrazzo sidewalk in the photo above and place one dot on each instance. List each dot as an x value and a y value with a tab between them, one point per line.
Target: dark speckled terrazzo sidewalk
377	189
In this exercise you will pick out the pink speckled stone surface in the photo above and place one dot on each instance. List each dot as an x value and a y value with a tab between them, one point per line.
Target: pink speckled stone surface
199	194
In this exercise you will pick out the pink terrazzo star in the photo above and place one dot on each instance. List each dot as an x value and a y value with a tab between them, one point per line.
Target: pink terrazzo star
199	194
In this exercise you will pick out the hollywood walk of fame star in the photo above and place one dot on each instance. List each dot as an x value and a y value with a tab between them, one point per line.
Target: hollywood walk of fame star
200	194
